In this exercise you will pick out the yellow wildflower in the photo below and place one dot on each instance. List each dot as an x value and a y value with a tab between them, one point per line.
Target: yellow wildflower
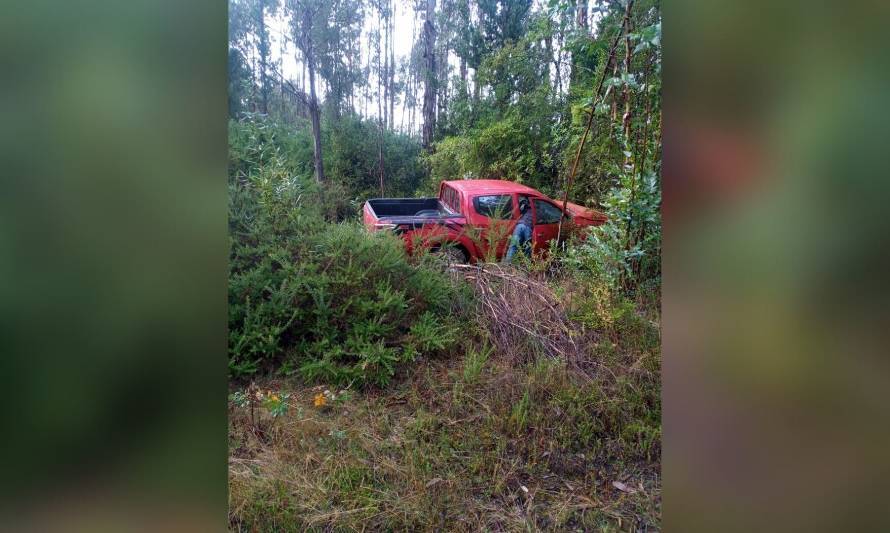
275	398
320	400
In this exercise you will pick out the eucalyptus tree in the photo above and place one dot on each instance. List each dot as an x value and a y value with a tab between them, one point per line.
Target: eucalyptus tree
429	70
308	22
337	31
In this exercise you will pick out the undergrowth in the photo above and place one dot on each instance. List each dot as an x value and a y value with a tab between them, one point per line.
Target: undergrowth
317	297
474	442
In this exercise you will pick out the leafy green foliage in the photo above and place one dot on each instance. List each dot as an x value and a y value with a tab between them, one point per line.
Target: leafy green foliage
326	300
352	163
515	148
627	249
353	160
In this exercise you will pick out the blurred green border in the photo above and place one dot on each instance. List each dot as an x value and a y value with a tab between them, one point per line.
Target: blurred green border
775	266
114	262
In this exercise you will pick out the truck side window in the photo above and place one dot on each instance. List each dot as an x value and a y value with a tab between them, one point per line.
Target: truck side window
546	213
450	198
496	206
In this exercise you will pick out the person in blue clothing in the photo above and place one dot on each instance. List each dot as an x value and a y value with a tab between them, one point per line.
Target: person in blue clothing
522	234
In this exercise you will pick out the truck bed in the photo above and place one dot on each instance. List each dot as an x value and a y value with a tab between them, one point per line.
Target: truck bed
408	207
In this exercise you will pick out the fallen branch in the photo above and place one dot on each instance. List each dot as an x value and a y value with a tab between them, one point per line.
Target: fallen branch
519	311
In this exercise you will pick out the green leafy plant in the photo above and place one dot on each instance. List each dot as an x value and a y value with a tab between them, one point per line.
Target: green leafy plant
326	300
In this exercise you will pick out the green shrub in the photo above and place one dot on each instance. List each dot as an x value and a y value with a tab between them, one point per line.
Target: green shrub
327	300
625	251
336	304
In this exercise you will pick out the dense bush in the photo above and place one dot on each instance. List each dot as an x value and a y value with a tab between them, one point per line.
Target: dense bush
353	159
625	252
514	148
326	300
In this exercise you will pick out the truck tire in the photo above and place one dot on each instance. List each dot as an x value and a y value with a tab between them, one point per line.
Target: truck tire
452	253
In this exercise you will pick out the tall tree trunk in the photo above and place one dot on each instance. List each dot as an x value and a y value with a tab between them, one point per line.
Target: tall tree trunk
404	111
365	89
442	82
264	57
573	70
415	92
351	60
627	55
335	87
641	164
380	160
614	93
557	62
316	125
413	88
464	12
382	88
628	161
582	16
429	94
380	76
309	54
643	140
548	48
392	68
384	74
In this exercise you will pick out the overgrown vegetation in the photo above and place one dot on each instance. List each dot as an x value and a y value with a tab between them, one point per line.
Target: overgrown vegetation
373	390
530	401
323	299
466	442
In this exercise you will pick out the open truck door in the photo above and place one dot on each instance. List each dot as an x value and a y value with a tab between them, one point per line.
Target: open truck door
547	216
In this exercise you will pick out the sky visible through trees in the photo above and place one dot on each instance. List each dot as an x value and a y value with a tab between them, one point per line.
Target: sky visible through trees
407	24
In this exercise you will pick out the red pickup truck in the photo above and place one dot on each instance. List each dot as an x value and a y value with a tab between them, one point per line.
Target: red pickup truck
471	216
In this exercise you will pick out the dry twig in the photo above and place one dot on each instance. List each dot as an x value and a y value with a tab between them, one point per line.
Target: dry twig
524	316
